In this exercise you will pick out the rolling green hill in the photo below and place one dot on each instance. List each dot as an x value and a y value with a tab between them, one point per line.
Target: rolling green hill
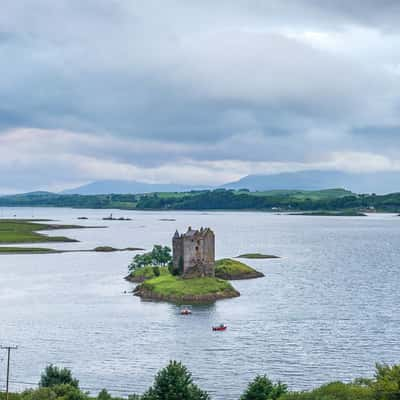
218	199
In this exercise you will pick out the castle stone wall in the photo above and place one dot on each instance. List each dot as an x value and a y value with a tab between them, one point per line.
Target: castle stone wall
194	252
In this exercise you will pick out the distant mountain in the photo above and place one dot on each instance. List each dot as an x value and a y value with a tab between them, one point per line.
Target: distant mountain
35	194
125	187
377	182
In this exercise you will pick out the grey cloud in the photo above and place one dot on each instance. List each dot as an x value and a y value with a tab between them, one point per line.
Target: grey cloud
214	80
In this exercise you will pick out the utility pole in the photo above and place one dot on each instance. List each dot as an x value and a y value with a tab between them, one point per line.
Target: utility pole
8	348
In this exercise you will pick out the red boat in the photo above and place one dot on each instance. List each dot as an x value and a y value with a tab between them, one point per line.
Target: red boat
221	327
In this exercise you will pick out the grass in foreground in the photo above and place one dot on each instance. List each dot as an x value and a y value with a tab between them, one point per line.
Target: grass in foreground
256	256
169	285
25	231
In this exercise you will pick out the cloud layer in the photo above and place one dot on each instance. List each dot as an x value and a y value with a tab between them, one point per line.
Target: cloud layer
195	92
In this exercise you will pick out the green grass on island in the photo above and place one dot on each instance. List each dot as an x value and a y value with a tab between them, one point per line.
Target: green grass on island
173	288
229	269
22	231
110	249
27	250
256	256
144	273
26	231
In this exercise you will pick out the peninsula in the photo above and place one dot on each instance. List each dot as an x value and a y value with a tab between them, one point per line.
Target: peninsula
23	231
17	231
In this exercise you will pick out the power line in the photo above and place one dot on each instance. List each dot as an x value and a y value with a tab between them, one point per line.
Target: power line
8	348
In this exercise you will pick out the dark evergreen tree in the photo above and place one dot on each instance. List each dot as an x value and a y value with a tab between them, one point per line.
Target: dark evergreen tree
263	389
54	375
174	382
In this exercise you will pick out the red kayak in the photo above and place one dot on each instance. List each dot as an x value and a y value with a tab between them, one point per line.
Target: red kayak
221	327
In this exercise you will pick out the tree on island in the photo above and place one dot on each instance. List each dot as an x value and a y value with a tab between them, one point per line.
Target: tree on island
174	382
160	256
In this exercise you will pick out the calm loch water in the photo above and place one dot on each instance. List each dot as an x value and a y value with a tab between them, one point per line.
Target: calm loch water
327	310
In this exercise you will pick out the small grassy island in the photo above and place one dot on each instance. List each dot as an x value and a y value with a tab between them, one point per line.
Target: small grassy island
180	290
235	270
225	268
190	274
345	213
110	249
160	278
256	256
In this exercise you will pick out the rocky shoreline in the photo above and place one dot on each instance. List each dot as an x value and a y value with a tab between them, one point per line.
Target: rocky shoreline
146	294
136	279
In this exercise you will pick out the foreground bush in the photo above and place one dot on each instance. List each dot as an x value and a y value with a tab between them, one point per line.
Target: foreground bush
55	392
263	389
174	382
334	391
54	375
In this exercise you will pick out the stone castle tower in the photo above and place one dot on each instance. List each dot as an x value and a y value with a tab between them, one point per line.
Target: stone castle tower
194	252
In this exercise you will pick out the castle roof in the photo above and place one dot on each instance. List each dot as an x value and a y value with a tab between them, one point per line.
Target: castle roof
190	233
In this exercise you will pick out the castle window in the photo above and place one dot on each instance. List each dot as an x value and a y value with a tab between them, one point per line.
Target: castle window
197	248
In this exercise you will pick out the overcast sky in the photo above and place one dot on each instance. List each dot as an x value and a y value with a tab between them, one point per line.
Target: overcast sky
199	92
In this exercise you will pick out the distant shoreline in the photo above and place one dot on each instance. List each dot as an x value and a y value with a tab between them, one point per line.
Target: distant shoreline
316	202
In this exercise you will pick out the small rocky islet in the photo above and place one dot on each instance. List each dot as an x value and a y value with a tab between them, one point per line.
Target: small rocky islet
194	275
256	256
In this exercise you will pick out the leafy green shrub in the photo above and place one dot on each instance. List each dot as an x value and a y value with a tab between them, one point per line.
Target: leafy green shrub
104	395
160	256
262	389
334	391
54	375
69	392
156	271
174	382
386	385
